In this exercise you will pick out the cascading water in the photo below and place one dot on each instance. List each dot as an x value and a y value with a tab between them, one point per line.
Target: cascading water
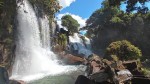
87	43
33	56
83	47
45	33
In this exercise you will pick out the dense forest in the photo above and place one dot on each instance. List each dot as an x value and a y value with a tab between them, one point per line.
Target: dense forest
110	23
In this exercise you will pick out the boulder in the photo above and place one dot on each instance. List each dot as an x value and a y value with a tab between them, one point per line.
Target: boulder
83	80
70	59
101	70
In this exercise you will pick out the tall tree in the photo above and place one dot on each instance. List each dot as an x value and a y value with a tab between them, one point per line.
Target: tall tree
69	22
131	5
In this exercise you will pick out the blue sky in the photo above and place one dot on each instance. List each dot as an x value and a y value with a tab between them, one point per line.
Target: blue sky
81	10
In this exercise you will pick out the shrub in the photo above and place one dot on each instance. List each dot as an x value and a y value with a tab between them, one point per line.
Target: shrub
124	50
62	40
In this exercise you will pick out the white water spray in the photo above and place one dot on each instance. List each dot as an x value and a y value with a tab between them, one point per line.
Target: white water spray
45	32
33	56
80	46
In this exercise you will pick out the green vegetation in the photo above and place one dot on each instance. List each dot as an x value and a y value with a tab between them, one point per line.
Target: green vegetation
116	20
62	40
124	50
109	24
145	71
131	5
49	6
70	23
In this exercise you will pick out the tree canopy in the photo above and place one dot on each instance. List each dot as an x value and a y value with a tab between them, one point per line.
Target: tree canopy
131	5
124	50
69	22
50	6
109	24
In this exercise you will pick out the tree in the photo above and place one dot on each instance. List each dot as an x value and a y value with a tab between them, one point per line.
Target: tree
70	23
124	50
49	6
131	5
109	24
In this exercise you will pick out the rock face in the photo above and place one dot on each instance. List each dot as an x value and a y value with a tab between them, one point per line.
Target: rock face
4	79
7	18
66	57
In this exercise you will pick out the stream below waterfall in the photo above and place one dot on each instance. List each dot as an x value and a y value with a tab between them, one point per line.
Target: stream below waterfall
68	78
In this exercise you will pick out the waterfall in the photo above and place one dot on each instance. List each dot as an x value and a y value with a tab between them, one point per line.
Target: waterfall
87	43
33	56
45	32
81	47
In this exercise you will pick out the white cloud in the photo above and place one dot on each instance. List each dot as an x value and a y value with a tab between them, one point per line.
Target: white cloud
80	20
65	3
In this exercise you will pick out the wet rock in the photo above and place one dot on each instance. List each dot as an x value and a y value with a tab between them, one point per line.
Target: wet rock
101	70
4	79
71	59
16	82
83	80
124	75
100	77
57	49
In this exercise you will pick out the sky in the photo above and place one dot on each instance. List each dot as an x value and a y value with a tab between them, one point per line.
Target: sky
81	10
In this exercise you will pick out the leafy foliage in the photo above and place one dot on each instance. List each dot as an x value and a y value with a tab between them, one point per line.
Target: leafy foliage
62	40
124	50
116	20
103	15
50	6
109	24
70	23
131	5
